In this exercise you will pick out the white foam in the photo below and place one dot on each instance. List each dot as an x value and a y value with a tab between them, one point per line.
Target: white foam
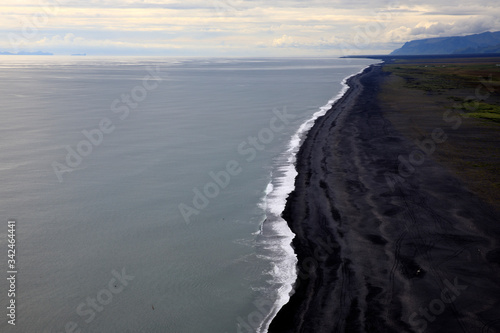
284	270
269	189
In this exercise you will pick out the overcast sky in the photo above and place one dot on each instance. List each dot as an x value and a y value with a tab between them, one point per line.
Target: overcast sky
235	27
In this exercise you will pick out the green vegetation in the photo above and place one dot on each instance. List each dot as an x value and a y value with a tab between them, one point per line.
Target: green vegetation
452	79
438	78
485	111
419	96
427	79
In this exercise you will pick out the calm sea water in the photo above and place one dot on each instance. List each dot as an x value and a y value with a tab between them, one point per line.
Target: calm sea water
147	191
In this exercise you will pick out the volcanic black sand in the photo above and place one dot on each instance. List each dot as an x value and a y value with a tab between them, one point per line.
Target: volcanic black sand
385	245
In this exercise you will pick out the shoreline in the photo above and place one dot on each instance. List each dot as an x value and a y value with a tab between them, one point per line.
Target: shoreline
370	258
283	191
290	174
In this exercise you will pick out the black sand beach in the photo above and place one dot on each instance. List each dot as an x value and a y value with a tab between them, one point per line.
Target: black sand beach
421	254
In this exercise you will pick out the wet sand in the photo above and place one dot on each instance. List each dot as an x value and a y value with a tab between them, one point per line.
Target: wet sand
421	254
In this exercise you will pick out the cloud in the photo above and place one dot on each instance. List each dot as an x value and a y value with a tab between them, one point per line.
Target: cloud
434	29
71	41
242	26
456	27
284	41
460	27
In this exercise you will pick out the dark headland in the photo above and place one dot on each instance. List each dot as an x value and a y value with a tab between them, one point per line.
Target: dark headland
396	204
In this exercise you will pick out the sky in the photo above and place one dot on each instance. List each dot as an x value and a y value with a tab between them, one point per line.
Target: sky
235	27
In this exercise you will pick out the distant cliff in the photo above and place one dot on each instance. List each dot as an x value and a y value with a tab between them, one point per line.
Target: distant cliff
487	42
26	53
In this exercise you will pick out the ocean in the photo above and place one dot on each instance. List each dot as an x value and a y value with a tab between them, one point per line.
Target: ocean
147	192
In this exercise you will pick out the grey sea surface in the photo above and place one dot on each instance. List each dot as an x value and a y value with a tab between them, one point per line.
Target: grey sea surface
147	191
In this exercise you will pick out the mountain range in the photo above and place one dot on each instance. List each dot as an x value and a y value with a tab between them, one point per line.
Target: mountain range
486	42
26	53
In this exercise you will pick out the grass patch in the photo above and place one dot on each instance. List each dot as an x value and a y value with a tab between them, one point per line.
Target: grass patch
416	95
428	79
487	116
483	110
448	79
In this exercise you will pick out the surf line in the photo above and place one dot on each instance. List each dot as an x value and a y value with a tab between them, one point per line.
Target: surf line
279	198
